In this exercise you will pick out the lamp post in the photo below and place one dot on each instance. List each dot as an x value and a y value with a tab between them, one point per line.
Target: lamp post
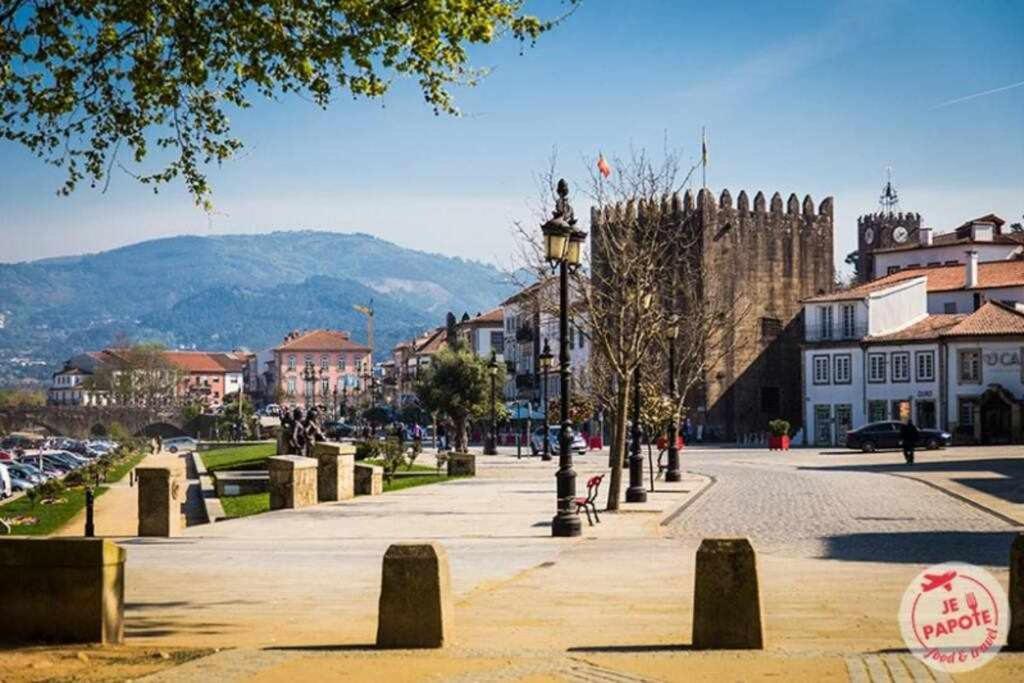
545	359
636	493
562	248
491	447
673	473
309	382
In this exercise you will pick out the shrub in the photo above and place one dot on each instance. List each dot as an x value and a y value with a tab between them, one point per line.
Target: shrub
367	450
778	427
393	458
48	490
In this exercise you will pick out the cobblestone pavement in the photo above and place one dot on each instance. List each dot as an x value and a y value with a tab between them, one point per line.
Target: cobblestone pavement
799	506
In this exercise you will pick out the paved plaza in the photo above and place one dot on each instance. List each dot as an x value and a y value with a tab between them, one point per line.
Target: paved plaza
293	594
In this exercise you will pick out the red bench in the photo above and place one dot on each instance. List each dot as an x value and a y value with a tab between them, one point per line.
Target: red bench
590	502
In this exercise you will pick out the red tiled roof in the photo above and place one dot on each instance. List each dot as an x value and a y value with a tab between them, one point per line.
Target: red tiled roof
991	274
927	329
321	340
434	342
195	361
492	317
993	318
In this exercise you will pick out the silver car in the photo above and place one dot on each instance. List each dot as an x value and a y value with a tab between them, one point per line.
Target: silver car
554	431
183	444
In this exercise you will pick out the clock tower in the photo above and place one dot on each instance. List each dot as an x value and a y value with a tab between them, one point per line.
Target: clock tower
885	229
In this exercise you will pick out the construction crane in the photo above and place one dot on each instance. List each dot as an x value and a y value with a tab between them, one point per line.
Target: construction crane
368	312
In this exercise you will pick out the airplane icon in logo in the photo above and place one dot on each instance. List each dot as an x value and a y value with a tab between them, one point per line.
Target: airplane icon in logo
936	580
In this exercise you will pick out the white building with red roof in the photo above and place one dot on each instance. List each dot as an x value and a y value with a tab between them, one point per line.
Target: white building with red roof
941	346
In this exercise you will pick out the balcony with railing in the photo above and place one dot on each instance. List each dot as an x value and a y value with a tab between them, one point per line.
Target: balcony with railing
822	333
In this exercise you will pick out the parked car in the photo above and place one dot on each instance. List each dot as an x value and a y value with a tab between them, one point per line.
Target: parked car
554	432
6	488
25	471
876	435
183	444
338	430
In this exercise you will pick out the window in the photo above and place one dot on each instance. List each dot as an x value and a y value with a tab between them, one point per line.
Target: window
847	316
325	386
925	363
291	362
498	341
892	269
949	307
876	367
969	365
308	358
291	385
901	367
325	361
341	361
977	300
841	372
821	369
770	328
825	322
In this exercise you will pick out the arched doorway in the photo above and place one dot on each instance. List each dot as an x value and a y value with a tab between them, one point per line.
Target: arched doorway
998	417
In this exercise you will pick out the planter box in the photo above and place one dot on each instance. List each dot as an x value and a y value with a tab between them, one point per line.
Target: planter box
369	480
778	443
461	465
241	482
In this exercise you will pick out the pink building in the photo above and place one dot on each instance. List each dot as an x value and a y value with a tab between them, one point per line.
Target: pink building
339	363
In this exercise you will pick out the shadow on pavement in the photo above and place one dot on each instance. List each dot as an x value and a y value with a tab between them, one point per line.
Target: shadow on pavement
663	647
990	548
1007	485
346	647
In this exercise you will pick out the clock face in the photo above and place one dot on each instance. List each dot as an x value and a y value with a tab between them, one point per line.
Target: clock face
900	234
869	235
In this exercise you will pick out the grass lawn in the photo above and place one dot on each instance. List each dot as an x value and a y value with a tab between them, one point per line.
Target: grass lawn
121	470
414	468
51	517
243	506
238	457
399	483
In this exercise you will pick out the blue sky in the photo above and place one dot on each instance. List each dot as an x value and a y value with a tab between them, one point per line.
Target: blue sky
801	97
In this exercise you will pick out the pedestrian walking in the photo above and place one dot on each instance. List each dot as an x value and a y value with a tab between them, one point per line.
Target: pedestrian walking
908	438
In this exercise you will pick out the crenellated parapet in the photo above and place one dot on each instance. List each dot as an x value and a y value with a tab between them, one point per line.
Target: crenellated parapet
792	213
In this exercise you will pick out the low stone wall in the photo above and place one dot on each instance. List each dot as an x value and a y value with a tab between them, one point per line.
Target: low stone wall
61	590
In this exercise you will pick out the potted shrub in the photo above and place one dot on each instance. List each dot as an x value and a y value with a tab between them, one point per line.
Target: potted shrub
778	439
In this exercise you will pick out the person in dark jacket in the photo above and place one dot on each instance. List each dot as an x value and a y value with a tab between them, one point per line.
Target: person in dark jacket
908	438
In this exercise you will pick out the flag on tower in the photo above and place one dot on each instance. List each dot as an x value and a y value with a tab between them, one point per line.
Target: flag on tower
602	166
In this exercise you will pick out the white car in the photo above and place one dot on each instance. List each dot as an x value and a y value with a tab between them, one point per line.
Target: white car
182	444
5	482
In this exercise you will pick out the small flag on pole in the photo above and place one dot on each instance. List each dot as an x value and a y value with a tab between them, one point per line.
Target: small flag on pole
602	166
703	147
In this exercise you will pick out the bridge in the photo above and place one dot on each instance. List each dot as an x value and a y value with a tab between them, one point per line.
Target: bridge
83	421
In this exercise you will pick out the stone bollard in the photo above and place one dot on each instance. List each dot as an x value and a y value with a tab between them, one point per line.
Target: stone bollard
415	597
61	590
335	472
461	465
726	601
1015	638
161	484
292	481
369	480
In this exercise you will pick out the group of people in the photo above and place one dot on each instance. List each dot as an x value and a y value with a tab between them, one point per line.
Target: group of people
299	433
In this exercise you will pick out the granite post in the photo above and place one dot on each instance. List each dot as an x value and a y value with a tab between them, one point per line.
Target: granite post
161	484
415	597
727	611
293	481
61	590
335	471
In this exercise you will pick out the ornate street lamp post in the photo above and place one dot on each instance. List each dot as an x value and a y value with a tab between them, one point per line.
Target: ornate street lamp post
491	447
546	359
309	382
562	248
636	493
673	473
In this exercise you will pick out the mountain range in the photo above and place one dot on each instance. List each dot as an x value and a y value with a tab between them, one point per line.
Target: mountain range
226	292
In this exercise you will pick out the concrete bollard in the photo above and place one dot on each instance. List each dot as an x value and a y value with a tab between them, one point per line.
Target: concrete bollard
726	600
335	471
161	484
369	479
1015	638
461	465
293	481
61	590
415	597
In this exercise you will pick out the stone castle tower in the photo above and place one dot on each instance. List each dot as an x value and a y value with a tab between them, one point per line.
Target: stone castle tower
882	230
766	256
